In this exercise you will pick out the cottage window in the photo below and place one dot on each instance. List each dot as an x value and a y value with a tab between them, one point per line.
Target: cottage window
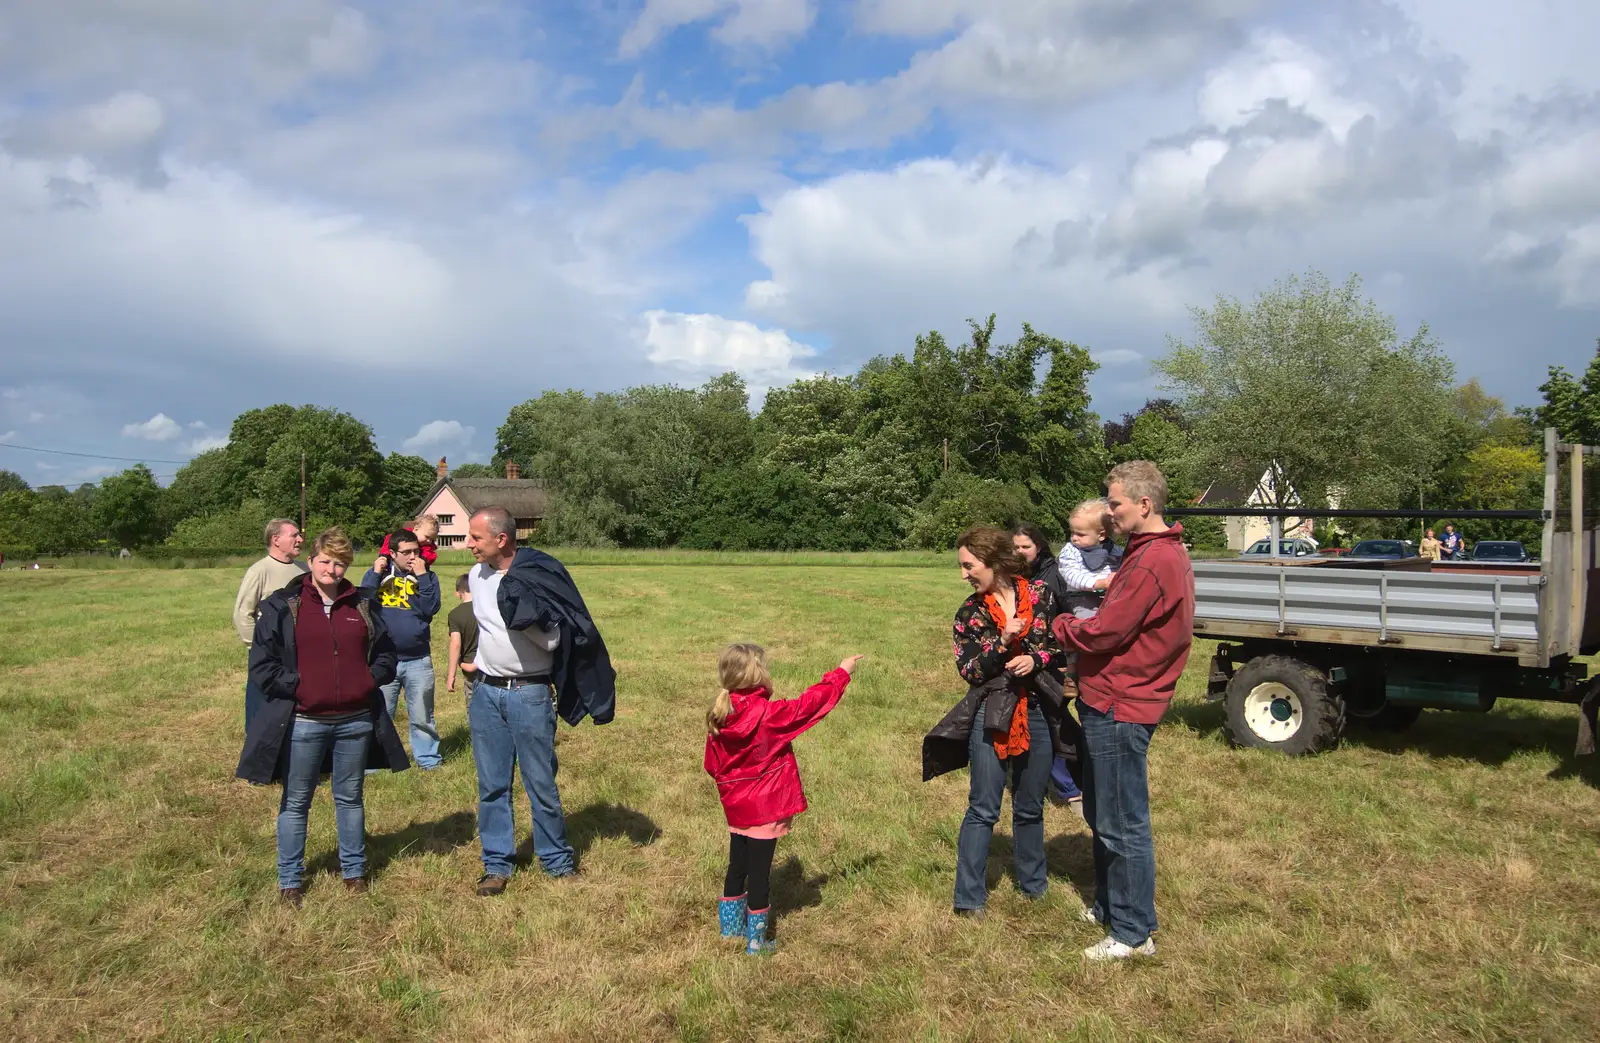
447	519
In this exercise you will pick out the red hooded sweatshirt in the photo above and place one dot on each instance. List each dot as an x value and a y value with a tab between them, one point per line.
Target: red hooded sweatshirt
1134	649
757	776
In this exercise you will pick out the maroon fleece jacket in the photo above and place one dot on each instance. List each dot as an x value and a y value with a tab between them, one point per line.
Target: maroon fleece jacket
1133	651
331	654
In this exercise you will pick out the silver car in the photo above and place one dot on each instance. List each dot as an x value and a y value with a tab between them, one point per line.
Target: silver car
1289	548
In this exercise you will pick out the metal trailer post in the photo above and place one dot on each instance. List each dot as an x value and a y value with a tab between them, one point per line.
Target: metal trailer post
1580	564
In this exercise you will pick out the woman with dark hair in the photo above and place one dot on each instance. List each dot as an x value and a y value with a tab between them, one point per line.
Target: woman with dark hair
1040	559
1008	721
1044	567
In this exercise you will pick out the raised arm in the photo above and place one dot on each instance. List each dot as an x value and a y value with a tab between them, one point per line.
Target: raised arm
1113	628
980	654
789	718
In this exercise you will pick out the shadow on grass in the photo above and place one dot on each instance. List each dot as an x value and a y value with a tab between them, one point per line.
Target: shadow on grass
457	740
439	837
1067	856
597	822
1487	738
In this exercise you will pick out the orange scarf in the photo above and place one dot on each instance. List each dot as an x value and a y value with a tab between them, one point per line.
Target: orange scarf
1015	739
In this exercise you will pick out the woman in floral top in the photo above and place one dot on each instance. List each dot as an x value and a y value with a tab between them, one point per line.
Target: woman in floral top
1002	633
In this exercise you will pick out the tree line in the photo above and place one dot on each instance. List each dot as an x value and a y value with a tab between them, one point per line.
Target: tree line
1309	384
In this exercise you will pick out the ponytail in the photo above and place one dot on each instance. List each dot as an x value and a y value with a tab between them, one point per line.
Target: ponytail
719	711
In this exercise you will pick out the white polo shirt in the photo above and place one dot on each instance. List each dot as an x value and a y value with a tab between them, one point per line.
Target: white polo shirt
502	652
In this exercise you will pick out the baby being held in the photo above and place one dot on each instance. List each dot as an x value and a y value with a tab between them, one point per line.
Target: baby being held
1089	558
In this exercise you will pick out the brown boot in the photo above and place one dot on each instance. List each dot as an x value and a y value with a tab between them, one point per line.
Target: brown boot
489	886
291	896
356	885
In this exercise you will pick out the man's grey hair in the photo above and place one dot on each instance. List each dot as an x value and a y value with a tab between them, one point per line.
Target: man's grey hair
275	526
499	521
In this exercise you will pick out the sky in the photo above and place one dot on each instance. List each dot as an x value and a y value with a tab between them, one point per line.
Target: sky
425	213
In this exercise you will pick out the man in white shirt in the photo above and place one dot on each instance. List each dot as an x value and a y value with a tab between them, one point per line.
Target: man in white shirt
511	714
266	577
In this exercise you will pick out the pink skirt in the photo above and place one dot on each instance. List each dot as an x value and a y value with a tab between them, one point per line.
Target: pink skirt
767	831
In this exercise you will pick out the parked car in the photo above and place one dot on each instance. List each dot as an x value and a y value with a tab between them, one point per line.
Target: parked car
1290	548
1389	550
1500	550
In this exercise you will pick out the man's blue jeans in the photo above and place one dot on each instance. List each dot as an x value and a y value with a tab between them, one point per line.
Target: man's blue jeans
416	677
512	728
1116	804
308	744
1029	772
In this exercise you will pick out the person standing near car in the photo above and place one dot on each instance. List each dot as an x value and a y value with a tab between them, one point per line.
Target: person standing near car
267	576
1431	548
408	599
1451	543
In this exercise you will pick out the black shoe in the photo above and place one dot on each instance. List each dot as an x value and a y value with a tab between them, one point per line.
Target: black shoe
972	914
489	886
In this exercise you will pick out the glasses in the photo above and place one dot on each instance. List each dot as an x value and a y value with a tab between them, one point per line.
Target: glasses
406	551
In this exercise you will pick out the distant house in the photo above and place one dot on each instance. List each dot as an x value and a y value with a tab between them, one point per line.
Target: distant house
1242	532
454	500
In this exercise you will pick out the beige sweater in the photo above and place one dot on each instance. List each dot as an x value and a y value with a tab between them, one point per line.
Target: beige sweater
264	578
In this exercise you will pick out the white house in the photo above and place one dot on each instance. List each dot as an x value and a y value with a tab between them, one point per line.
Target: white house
1242	532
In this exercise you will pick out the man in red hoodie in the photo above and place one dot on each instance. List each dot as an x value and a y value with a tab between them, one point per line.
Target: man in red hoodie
1130	656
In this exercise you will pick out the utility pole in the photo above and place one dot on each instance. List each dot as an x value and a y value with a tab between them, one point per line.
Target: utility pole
947	456
302	492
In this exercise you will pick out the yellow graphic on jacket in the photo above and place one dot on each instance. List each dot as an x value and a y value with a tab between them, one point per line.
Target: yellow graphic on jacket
395	591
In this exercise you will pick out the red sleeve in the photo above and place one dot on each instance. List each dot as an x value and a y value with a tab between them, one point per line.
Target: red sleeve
787	719
429	554
384	547
1122	615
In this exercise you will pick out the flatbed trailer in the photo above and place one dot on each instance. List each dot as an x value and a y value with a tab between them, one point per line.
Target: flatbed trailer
1308	643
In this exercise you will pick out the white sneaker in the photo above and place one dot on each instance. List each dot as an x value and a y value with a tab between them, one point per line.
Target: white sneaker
1087	914
1108	948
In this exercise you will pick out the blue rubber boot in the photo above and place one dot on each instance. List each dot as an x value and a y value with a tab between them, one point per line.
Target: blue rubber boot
758	945
731	915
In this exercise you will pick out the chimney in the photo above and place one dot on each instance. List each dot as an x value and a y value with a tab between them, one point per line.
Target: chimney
513	472
442	471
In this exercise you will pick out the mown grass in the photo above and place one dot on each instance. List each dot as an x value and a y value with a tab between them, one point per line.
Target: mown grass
1436	885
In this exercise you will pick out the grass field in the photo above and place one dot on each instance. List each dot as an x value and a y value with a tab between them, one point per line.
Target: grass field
1437	885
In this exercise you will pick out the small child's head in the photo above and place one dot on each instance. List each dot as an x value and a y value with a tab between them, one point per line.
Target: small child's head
463	587
426	528
741	667
1091	524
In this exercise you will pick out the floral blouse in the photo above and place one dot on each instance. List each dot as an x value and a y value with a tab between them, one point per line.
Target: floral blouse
980	655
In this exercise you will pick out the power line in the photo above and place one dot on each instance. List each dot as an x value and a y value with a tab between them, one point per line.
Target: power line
93	456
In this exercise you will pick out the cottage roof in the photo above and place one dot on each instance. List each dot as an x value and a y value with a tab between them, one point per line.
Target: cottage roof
523	497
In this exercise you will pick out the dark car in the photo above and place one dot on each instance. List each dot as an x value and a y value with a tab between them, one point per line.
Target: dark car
1499	550
1390	550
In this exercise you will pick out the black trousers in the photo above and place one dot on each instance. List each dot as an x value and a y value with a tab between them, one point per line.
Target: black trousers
749	870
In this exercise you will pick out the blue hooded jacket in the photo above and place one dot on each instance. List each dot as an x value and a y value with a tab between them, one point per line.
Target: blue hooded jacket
407	604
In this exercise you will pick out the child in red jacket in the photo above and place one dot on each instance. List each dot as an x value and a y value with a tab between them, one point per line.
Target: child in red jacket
758	779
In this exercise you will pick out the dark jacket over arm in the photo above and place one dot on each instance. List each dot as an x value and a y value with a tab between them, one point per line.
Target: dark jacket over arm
537	591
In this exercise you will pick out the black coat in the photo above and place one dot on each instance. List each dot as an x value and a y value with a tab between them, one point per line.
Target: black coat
538	592
1047	567
274	669
946	747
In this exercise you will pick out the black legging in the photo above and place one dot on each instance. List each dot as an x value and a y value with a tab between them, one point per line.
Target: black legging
749	864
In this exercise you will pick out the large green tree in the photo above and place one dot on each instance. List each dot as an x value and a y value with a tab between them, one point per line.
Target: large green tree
1571	404
127	508
12	482
1311	385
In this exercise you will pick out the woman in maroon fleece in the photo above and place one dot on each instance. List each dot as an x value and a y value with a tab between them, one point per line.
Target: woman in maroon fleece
319	655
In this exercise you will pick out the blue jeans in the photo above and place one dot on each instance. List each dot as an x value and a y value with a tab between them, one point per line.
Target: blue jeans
1062	782
416	677
254	699
1116	804
308	744
512	728
1029	773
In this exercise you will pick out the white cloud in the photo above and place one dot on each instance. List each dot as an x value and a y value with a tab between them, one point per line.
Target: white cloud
8	436
439	433
760	23
706	345
206	443
159	428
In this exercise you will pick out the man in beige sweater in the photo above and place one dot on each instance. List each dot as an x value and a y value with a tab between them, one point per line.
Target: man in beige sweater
266	577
